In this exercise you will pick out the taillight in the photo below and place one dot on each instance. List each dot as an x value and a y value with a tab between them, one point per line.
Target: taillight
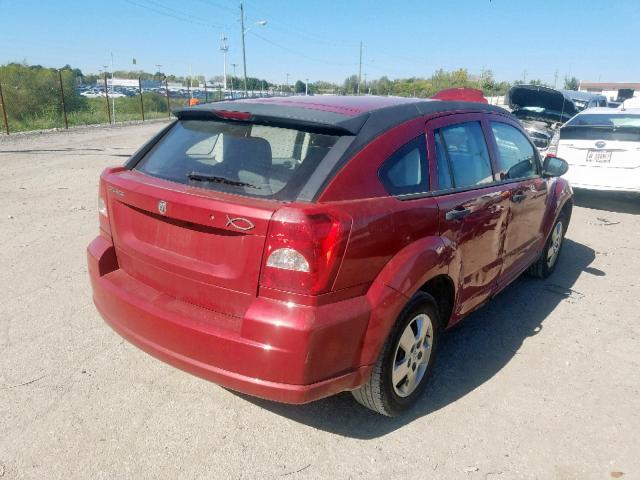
552	150
303	250
103	213
102	206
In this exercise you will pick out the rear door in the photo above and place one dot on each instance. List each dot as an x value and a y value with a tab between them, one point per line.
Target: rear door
516	163
473	207
191	244
190	219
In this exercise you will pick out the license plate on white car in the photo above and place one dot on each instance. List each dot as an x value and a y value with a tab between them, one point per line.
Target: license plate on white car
599	156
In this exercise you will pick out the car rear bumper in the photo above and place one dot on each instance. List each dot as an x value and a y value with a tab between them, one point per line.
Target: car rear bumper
604	178
278	351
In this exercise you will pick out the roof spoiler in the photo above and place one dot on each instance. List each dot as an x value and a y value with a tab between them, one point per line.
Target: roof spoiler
275	115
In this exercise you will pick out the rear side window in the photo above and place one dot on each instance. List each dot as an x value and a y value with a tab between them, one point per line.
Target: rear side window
516	156
245	159
405	171
466	151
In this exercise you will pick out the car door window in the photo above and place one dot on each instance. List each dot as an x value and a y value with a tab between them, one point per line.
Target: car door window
444	174
466	151
405	171
516	155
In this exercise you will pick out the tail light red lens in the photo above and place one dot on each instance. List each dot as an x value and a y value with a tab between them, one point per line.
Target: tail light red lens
304	250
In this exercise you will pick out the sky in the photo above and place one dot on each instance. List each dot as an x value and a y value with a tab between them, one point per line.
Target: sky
320	40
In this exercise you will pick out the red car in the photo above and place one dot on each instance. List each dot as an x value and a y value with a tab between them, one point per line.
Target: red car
293	248
465	94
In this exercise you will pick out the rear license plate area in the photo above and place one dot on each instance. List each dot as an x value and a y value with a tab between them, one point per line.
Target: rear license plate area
599	156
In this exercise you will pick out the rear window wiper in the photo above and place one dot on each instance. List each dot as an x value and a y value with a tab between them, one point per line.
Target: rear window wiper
205	177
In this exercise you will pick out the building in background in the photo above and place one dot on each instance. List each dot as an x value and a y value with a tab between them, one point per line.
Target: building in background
614	91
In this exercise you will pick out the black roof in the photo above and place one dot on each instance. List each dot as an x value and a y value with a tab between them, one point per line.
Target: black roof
381	119
357	126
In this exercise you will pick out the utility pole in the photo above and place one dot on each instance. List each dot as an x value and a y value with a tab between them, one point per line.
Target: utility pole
244	55
106	94
141	100
234	65
190	86
113	91
306	87
64	106
287	84
4	111
360	69
365	83
166	90
555	79
224	48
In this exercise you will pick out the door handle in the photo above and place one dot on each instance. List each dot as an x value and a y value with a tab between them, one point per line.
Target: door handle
518	197
457	214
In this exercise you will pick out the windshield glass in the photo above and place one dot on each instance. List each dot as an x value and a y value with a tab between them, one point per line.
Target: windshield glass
245	159
604	120
581	104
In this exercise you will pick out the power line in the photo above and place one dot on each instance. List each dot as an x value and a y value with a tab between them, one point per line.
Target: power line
168	12
293	30
303	55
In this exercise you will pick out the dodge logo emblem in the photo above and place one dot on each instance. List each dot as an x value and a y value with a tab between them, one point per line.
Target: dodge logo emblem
162	207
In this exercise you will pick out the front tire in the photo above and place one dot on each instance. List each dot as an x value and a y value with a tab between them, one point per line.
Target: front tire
546	264
406	360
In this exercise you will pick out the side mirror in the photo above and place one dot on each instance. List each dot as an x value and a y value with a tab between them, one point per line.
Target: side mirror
554	167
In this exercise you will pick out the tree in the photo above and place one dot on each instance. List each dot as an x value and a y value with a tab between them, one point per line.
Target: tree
351	85
299	86
571	83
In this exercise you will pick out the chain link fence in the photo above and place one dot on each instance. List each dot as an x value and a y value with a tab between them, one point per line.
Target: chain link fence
42	98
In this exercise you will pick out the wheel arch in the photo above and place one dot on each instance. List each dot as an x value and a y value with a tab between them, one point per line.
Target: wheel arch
443	290
423	265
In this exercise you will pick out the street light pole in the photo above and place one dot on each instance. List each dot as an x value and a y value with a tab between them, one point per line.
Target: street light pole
262	23
360	69
244	55
224	47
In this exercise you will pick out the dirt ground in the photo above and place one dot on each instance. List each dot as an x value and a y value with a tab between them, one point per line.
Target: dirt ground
542	383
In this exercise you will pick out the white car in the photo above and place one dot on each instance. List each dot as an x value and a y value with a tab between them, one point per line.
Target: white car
602	148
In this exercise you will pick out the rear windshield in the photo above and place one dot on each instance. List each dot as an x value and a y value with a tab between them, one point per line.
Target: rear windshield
604	120
245	159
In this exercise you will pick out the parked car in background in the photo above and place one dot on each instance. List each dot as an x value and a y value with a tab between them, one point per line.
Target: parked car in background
463	94
584	100
602	147
293	248
630	103
541	110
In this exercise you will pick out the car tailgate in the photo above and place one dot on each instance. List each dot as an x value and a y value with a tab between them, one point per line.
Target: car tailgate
199	246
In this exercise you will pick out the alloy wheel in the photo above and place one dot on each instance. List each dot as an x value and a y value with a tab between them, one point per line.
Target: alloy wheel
556	243
412	355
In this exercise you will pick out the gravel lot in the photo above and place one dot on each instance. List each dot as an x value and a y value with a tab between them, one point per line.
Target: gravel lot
544	382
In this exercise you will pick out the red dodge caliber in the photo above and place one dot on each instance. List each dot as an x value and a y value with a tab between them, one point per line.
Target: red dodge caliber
293	248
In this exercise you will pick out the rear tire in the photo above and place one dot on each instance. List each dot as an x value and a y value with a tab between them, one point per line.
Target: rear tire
546	264
406	360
